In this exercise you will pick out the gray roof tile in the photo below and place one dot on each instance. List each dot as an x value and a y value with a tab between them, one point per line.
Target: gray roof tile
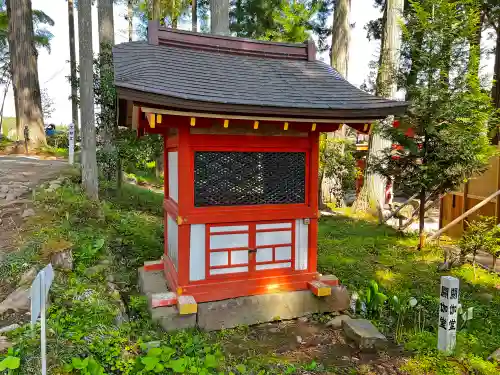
215	77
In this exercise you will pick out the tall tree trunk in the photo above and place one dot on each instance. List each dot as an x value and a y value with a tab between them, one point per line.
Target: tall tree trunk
25	70
341	37
156	14
89	163
339	60
374	183
495	90
108	125
72	64
130	18
219	17
194	15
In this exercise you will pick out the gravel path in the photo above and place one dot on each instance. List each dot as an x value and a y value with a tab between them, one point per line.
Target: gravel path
18	176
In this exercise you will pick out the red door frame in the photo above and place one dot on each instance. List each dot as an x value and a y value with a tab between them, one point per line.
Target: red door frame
185	214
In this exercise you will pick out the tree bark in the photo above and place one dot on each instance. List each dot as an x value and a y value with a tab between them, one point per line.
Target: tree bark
156	15
130	18
341	37
72	64
375	183
106	42
339	60
219	17
25	71
495	90
194	15
89	163
421	218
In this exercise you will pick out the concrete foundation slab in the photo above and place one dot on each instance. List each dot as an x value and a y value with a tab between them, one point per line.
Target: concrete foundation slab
151	282
235	312
170	319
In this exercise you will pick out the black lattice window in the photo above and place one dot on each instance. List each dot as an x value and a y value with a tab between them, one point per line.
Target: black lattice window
248	178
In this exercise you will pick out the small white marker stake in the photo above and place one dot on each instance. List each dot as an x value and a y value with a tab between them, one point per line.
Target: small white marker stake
38	293
448	312
71	142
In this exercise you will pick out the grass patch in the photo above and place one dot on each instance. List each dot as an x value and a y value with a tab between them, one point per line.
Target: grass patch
87	325
360	250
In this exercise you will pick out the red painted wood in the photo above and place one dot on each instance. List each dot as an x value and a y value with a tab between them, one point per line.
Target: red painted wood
203	142
223	289
233	215
170	274
216	287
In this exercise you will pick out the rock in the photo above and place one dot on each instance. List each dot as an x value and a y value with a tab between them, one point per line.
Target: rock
62	260
495	356
28	213
110	278
18	300
299	340
303	319
364	333
445	266
4	344
485	298
274	329
4	189
95	270
11	197
105	262
28	277
9	328
337	322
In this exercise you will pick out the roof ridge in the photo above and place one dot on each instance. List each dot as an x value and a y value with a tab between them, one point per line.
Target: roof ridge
158	35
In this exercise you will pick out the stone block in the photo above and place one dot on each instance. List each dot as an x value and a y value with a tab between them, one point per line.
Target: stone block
338	321
258	309
364	333
331	280
152	282
339	300
170	319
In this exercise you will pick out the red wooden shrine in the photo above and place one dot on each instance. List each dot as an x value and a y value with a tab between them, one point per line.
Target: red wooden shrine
241	122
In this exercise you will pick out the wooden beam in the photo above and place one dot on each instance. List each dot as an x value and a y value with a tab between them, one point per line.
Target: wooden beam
497	203
464	205
464	215
253	118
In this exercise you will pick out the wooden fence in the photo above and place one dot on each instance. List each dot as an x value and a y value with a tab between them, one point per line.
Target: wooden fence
478	188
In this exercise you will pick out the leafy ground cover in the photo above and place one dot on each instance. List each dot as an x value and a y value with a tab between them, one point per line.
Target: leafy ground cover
359	250
99	324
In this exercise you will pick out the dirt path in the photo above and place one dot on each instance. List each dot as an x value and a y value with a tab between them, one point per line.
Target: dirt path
18	176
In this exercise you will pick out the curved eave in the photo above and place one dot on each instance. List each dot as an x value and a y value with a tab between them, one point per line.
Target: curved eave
365	114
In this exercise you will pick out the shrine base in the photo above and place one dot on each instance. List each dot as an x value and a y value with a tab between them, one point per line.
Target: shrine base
233	312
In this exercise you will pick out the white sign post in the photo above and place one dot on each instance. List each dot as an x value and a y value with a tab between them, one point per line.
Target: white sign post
38	293
448	312
71	139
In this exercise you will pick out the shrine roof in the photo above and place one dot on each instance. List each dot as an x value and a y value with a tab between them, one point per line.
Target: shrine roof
203	72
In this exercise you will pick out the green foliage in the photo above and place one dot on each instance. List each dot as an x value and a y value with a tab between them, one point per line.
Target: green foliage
59	140
337	162
477	236
357	250
282	20
139	155
11	363
449	113
372	300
